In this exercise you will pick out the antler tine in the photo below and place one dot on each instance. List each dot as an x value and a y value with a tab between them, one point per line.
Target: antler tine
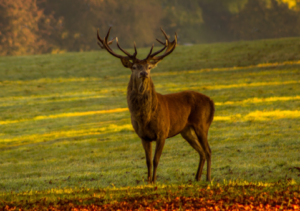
166	36
161	42
169	45
108	43
98	36
161	50
135	51
123	50
101	46
111	41
149	54
103	43
170	49
107	35
157	52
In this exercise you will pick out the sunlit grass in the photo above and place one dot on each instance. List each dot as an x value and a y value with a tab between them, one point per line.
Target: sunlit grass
54	97
112	128
257	115
272	115
48	81
258	100
230	86
63	115
65	119
235	68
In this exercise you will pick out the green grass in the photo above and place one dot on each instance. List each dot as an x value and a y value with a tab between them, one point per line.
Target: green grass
41	148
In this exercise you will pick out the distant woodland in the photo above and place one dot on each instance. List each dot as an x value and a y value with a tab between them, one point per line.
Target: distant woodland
53	26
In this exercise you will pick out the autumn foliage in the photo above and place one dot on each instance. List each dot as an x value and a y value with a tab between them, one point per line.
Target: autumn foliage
19	27
45	26
53	26
186	197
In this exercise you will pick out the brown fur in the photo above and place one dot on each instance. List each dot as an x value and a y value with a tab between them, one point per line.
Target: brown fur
156	117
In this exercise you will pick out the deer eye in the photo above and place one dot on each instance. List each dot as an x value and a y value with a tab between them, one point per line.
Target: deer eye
134	67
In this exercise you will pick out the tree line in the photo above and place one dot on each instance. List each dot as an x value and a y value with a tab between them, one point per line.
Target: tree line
45	26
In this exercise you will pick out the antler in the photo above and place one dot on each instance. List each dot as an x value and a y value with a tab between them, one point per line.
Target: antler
169	45
104	44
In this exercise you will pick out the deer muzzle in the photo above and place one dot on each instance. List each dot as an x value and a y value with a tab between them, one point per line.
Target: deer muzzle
143	74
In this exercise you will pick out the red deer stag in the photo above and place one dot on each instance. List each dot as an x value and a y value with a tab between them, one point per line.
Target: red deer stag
156	117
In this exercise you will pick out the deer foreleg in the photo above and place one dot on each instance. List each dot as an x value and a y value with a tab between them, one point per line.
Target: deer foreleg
158	150
148	152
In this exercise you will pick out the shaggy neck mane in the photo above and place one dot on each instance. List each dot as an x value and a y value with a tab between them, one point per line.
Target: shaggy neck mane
141	99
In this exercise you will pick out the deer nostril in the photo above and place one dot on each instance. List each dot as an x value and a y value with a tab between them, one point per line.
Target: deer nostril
144	74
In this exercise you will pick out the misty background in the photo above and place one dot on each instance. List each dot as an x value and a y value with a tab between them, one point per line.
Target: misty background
55	26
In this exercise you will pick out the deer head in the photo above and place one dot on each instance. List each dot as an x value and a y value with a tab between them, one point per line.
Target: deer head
140	69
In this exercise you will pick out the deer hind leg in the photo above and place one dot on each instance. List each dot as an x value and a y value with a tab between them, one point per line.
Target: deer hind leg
148	152
190	136
202	137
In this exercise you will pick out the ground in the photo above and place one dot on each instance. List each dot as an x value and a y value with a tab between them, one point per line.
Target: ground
65	126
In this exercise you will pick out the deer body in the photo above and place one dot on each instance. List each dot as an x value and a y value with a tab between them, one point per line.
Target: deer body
156	117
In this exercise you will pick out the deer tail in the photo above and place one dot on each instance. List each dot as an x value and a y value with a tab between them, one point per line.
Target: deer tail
212	111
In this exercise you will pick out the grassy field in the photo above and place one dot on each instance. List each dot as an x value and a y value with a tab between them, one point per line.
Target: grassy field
64	121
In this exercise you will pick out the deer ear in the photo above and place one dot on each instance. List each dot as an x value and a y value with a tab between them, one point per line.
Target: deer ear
126	63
